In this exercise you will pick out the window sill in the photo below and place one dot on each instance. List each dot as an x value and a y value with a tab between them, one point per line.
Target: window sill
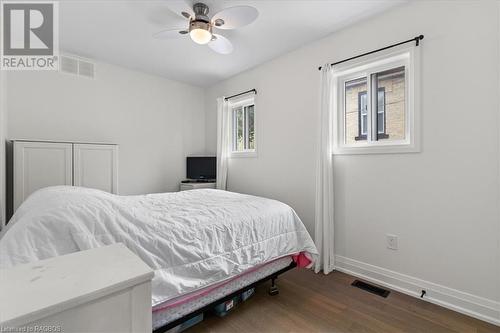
237	154
379	136
377	149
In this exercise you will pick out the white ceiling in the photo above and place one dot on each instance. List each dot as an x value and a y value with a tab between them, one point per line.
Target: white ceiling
120	32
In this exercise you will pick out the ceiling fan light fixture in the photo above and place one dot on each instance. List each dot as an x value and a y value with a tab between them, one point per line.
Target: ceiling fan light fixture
200	36
200	32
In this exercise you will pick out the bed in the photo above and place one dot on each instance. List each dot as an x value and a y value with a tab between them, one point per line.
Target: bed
203	244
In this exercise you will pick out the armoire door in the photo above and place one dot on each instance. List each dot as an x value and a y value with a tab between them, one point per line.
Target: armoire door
95	166
38	165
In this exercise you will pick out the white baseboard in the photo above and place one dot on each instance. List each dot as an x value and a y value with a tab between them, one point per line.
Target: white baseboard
474	306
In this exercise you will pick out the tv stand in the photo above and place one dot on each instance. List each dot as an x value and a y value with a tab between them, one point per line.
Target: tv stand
194	185
188	181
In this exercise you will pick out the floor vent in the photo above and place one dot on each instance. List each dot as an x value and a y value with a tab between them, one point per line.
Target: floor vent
370	288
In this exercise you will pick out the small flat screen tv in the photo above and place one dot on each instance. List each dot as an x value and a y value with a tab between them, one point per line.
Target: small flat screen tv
201	167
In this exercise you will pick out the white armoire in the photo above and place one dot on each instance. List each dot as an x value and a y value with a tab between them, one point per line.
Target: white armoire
38	164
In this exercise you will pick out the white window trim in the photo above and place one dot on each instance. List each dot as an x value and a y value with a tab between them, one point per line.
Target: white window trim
404	55
244	101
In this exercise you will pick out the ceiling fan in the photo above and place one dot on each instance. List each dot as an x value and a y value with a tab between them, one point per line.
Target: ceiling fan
203	29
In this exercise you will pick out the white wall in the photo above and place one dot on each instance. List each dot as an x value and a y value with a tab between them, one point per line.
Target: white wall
3	135
443	203
156	122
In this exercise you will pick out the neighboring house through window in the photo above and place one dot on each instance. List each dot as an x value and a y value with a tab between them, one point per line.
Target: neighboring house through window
381	115
363	115
243	141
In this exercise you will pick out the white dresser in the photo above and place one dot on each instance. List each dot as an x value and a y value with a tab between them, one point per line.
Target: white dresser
107	289
38	164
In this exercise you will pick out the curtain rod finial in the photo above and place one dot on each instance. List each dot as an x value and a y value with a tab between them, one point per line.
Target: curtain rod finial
418	39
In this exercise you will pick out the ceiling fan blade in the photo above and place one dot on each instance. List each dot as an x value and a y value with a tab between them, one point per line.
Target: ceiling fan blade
180	7
170	34
220	44
235	17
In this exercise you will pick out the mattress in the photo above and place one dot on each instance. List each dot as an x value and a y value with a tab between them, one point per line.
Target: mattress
169	311
192	239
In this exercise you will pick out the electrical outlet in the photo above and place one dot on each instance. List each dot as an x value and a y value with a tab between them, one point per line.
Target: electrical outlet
392	242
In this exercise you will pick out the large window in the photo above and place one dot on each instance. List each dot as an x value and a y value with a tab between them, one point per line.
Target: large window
376	104
243	127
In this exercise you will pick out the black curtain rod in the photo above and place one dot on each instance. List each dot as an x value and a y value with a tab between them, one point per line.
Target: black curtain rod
415	39
243	93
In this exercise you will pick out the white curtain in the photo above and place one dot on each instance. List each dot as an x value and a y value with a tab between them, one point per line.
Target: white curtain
323	233
223	118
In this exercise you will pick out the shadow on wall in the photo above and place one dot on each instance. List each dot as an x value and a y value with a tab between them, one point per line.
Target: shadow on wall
9	181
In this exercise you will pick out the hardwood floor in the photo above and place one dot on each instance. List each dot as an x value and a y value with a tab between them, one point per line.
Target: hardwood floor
311	302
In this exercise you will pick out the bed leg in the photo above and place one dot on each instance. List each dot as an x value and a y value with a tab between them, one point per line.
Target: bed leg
273	290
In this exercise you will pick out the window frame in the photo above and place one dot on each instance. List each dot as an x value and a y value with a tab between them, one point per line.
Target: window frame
242	103
408	57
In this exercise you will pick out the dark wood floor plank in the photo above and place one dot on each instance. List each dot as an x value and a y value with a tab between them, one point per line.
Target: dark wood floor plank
311	302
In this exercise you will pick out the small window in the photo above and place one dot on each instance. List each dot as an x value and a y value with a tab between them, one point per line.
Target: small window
375	110
243	128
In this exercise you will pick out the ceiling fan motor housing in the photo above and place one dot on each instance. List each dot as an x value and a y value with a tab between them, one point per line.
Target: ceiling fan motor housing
201	12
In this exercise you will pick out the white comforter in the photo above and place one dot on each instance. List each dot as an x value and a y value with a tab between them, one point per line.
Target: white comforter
191	239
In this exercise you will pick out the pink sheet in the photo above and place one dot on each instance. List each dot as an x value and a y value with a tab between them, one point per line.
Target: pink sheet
301	259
